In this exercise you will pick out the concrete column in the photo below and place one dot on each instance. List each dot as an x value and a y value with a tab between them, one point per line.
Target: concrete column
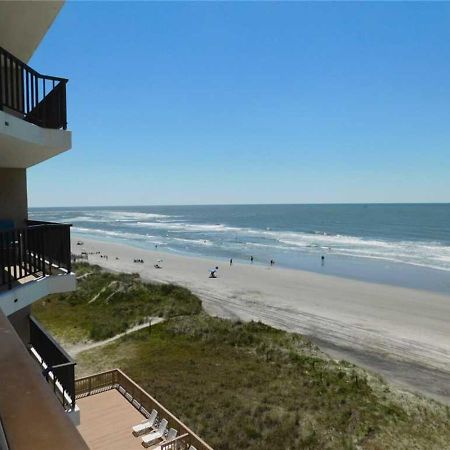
13	196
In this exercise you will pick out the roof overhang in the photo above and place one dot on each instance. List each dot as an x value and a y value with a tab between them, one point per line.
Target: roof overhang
23	24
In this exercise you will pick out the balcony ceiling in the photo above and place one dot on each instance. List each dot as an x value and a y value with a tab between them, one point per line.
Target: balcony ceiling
23	24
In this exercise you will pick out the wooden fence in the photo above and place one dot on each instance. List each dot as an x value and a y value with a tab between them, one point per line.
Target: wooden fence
142	401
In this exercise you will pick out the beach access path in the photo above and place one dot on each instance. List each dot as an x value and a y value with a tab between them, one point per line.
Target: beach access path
402	334
74	349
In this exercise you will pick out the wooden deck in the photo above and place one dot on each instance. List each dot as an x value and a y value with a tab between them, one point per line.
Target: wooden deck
107	416
106	421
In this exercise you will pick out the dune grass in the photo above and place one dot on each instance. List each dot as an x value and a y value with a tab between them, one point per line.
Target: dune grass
106	304
245	385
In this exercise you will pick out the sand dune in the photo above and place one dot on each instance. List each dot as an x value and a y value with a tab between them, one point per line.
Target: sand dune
403	334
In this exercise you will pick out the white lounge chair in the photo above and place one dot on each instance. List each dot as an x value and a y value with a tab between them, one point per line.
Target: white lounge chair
172	434
158	434
146	424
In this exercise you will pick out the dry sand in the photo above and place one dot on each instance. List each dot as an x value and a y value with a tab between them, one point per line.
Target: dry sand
402	334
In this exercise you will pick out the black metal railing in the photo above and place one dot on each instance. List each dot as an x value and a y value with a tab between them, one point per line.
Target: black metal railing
60	371
39	248
29	415
39	99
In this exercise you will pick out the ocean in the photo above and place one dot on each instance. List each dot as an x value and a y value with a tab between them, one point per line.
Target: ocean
400	244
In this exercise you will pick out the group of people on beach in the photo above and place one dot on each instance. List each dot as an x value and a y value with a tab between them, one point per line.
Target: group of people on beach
272	261
212	272
85	255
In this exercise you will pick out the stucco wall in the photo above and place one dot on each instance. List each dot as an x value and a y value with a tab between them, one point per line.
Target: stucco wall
13	195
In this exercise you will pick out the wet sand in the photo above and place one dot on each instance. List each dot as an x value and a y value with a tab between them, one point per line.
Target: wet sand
402	334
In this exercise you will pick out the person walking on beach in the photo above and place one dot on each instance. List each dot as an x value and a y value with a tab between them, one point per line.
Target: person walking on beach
323	260
231	262
272	262
251	259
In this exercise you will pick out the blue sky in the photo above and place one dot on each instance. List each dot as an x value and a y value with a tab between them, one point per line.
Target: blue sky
191	103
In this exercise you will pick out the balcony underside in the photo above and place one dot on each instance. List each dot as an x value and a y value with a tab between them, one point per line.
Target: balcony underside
23	144
23	24
34	287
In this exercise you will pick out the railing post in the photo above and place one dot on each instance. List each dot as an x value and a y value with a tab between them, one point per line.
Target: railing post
68	251
26	252
8	257
44	105
64	106
42	256
2	65
19	255
2	258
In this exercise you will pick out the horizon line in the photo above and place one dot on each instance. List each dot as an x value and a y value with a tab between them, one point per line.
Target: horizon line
242	204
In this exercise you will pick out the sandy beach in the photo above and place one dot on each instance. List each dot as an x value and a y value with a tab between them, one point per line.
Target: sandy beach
402	334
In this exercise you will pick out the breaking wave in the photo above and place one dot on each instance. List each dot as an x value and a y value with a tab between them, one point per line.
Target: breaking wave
209	237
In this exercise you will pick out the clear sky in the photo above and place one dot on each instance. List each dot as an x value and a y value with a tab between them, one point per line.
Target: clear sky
190	103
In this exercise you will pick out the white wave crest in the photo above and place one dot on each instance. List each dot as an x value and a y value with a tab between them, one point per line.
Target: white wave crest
189	227
177	233
127	215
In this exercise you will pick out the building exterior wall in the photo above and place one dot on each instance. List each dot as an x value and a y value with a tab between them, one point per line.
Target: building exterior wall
13	196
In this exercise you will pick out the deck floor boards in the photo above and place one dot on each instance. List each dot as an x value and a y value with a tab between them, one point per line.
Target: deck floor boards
106	421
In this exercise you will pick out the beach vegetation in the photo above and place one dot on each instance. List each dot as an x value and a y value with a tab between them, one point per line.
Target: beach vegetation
245	384
106	304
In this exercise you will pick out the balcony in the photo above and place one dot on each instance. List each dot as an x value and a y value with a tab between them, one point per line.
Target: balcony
34	261
36	98
57	366
33	114
30	414
111	403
